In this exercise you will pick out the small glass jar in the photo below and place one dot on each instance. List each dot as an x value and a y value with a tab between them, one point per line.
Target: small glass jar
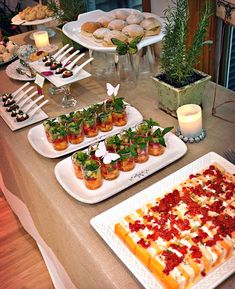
105	122
126	161
119	118
155	148
59	138
48	127
78	158
75	132
141	149
110	171
112	143
90	127
92	174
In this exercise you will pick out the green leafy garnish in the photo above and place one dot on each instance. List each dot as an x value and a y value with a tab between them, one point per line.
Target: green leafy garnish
124	48
158	135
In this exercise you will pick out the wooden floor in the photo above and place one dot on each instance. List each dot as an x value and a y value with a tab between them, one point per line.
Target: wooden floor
21	264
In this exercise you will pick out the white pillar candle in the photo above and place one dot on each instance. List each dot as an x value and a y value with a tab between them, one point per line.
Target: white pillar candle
190	120
41	39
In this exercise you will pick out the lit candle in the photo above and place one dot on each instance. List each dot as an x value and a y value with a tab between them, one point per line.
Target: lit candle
190	120
41	39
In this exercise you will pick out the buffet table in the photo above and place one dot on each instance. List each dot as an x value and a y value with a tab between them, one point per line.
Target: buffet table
62	222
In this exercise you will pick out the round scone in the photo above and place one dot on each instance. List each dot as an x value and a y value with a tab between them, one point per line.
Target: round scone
121	14
132	31
113	34
104	20
117	24
89	27
135	18
99	34
151	26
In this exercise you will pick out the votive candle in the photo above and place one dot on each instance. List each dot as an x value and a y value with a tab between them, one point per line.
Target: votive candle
41	39
190	120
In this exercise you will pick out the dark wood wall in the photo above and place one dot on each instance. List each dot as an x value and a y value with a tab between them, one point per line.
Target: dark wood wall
207	60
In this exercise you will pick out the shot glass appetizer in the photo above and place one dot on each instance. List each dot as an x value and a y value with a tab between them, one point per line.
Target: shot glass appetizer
127	137
110	171
112	143
59	137
75	132
89	123
91	152
119	114
104	121
157	142
92	174
78	159
141	148
126	161
145	128
48	127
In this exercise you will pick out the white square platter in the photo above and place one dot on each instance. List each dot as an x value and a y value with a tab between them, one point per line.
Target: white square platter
13	124
104	225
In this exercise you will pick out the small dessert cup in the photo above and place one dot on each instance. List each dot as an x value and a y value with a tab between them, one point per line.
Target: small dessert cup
92	174
78	158
155	148
119	118
75	132
48	127
90	127
126	161
141	148
110	171
59	138
112	143
105	122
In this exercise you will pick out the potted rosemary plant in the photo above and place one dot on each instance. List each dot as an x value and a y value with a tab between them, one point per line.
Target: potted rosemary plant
179	83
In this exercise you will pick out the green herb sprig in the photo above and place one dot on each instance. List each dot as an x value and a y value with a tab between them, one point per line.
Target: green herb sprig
124	48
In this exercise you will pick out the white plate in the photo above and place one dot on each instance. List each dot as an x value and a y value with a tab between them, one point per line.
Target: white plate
14	125
104	225
38	140
58	81
73	31
16	20
75	187
12	73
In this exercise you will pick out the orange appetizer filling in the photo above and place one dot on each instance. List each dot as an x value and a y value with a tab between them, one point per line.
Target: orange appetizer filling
186	233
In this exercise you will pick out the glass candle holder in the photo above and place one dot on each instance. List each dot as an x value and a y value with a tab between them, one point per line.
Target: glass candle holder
41	39
190	120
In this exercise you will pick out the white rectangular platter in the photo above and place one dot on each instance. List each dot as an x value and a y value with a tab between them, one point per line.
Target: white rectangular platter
75	187
38	140
57	80
14	125
104	225
73	31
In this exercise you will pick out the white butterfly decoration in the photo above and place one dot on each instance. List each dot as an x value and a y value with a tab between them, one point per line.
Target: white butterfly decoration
112	90
101	152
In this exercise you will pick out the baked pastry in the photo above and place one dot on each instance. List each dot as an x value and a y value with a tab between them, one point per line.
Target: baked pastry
151	26
183	235
36	12
132	31
135	18
113	34
104	20
121	14
117	24
89	27
99	34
